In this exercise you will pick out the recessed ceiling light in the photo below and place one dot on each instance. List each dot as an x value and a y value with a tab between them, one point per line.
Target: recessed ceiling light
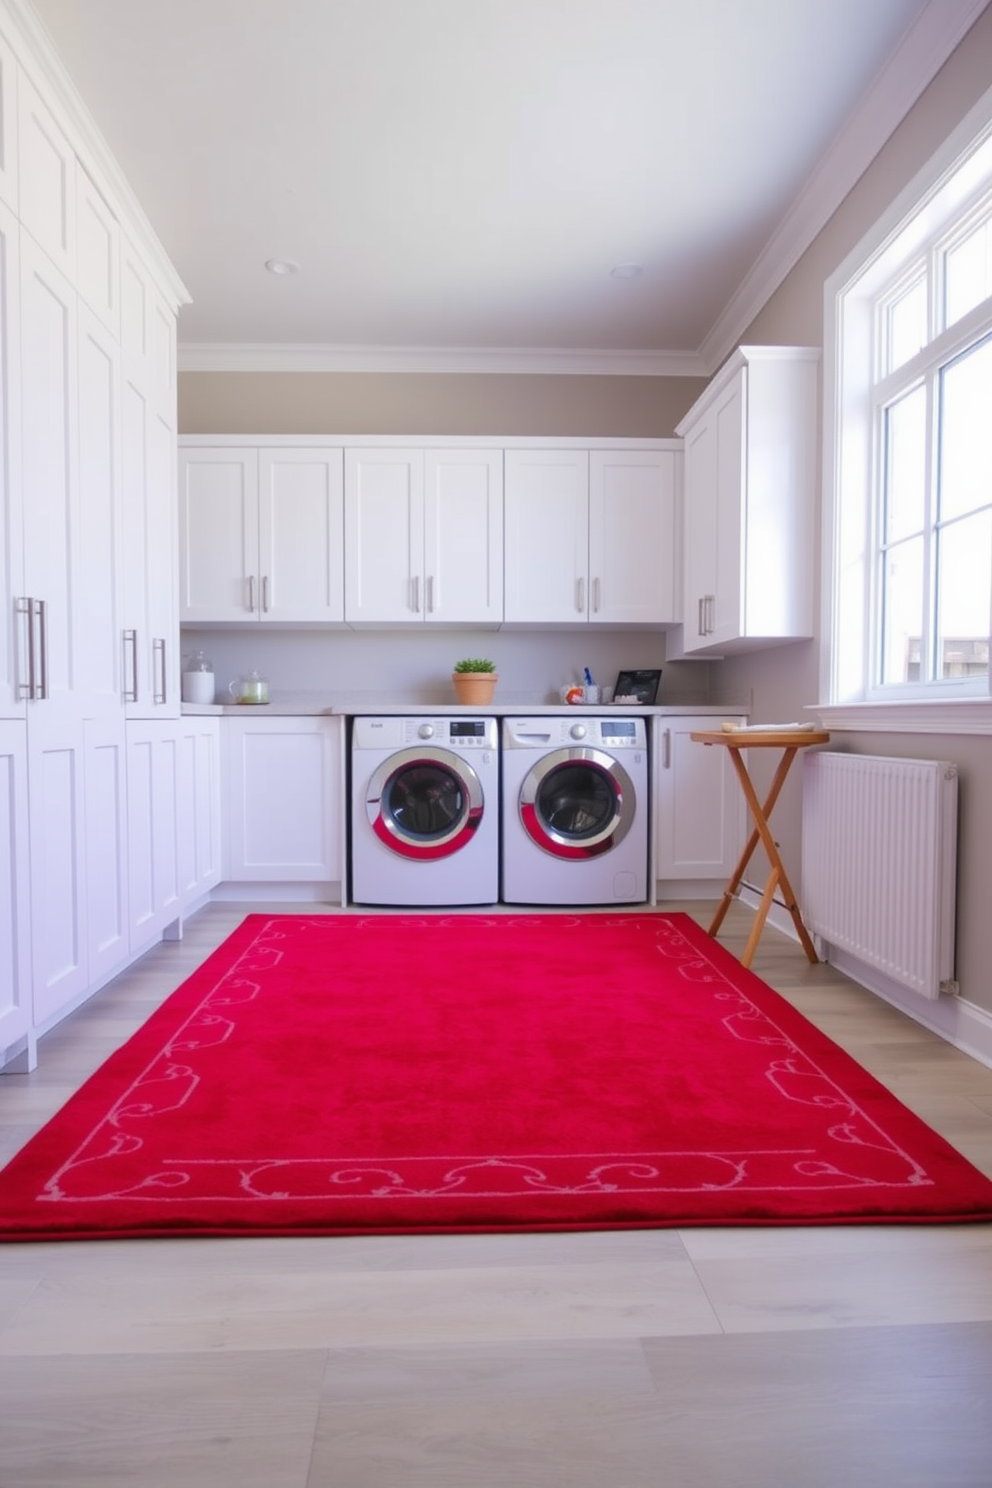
627	271
282	266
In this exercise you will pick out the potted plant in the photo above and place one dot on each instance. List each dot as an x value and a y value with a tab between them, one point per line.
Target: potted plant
475	680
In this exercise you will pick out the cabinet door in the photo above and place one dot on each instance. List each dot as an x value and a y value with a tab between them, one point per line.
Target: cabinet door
632	536
98	254
218	535
47	172
160	568
8	130
199	808
153	815
714	499
57	797
547	537
301	535
107	932
13	625
15	899
700	815
731	453
384	536
285	803
49	469
463	537
100	688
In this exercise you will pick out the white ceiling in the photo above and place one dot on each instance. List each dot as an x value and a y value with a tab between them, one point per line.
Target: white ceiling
457	178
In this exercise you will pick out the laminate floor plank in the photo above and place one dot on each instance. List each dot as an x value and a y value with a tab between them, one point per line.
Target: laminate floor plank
106	1313
850	1290
181	1421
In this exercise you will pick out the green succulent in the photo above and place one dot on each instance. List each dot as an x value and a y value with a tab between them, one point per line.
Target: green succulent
475	664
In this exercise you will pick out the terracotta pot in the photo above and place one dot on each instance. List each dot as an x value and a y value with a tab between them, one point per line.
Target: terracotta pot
474	688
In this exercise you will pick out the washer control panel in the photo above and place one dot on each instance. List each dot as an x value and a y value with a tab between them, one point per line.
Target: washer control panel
453	733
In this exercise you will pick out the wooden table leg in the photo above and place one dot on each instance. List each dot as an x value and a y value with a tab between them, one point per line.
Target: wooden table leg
778	875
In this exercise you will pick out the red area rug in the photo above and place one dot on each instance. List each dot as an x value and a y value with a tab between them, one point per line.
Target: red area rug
335	1074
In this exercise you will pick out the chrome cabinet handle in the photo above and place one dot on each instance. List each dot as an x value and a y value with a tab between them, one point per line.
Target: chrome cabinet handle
25	606
595	595
41	609
580	596
265	593
251	593
430	593
158	655
130	690
415	594
666	757
35	689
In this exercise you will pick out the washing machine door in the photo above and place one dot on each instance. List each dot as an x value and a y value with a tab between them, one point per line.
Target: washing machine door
425	803
577	803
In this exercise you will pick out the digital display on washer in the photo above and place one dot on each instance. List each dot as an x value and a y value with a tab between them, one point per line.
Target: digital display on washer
620	728
473	728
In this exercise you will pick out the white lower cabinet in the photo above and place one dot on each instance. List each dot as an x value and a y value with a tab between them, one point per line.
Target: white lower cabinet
200	816
107	929
284	795
153	814
699	812
57	797
15	903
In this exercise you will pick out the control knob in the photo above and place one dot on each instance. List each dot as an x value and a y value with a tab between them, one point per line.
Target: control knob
578	731
426	731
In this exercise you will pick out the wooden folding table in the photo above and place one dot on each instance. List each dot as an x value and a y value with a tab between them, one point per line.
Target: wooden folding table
790	741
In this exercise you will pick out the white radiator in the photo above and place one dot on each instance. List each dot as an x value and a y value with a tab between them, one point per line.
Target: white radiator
879	866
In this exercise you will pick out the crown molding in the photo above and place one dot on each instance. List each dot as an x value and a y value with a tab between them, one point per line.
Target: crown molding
263	357
928	43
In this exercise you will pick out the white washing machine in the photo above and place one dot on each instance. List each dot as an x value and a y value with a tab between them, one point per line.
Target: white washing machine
575	810
425	811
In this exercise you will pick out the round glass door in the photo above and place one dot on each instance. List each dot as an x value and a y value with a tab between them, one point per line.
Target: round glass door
425	805
577	803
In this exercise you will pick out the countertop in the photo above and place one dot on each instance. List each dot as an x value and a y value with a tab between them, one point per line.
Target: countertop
291	705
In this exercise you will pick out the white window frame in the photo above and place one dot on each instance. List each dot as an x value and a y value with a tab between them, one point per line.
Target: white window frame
928	208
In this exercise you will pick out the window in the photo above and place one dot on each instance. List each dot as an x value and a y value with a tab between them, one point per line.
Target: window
908	442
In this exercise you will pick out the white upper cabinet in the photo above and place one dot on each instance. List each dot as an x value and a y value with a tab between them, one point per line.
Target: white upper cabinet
50	472
750	487
13	623
98	251
632	548
546	566
300	535
8	126
590	537
260	535
218	534
47	179
423	536
100	681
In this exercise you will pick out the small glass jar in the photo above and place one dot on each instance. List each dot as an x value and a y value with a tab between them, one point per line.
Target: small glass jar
198	678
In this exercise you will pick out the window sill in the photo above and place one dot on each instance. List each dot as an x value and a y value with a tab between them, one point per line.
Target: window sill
958	716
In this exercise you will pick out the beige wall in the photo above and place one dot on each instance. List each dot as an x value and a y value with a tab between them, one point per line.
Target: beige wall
436	403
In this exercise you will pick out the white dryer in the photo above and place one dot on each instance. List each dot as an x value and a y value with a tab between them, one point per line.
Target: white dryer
425	811
575	810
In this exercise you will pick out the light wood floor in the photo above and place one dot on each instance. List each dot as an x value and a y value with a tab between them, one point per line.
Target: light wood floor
771	1358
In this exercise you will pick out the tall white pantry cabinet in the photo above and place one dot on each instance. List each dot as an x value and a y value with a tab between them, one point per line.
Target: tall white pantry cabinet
88	615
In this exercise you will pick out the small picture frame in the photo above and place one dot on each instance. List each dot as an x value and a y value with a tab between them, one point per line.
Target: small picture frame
642	685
